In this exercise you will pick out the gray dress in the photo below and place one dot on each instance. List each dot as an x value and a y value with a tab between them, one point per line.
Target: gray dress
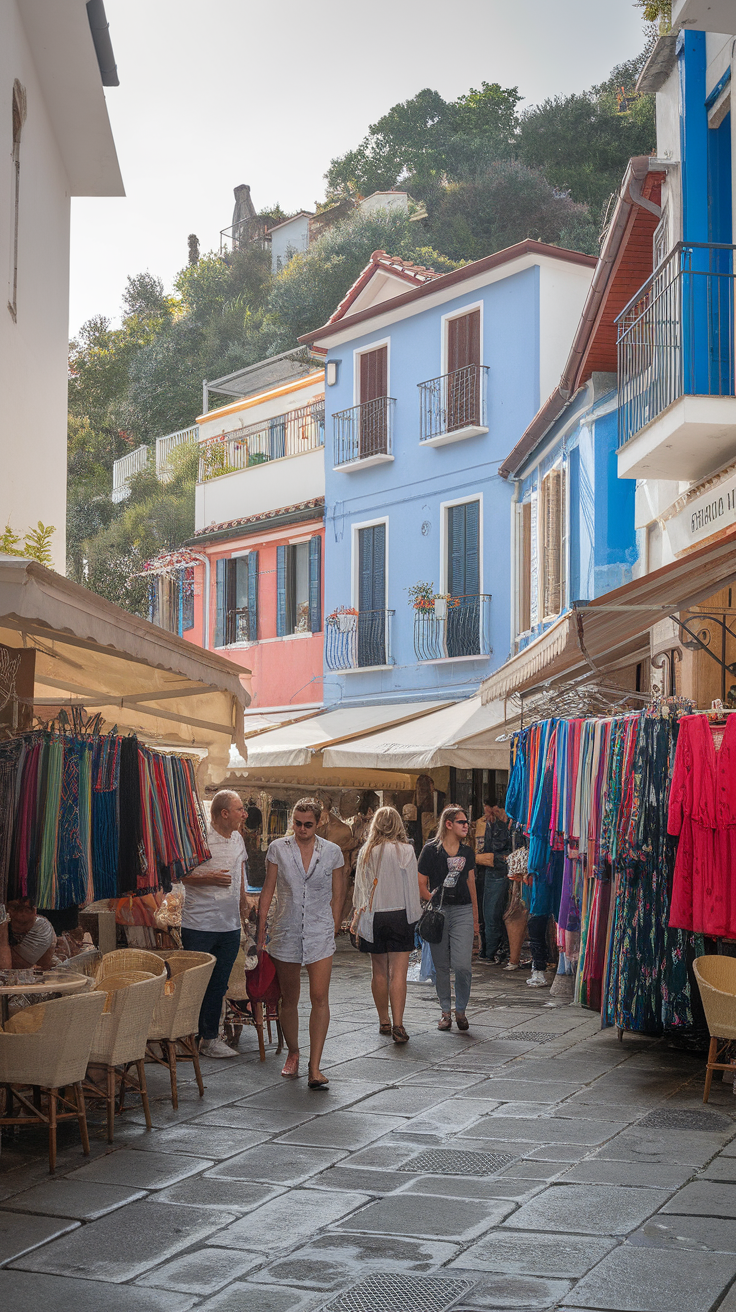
303	929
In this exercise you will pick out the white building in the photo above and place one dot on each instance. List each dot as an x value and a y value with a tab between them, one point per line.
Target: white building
55	143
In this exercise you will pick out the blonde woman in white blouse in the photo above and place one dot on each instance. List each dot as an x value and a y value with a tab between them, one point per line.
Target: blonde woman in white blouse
386	910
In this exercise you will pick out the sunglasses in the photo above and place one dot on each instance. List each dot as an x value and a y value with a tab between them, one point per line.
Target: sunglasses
461	822
304	824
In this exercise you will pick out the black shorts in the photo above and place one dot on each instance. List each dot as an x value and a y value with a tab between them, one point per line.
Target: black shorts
391	933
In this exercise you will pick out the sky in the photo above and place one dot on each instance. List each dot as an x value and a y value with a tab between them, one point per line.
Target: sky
218	92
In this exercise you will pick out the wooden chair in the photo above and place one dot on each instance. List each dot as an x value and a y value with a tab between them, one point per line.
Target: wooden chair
175	1021
120	1042
716	978
48	1062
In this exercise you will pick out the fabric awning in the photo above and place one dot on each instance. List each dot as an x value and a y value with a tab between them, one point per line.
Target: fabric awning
296	744
92	654
463	735
599	634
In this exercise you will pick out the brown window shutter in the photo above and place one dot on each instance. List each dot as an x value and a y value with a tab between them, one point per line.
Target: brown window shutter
552	541
463	341
373	374
525	568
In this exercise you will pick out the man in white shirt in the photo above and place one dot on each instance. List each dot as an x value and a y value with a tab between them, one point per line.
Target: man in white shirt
214	903
33	940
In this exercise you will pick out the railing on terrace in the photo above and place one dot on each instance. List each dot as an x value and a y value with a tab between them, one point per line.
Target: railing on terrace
453	402
165	445
246	233
124	469
289	434
358	640
364	431
460	626
676	335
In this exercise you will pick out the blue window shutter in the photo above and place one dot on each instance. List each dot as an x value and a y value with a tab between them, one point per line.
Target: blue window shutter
379	567
220	601
315	584
252	559
456	551
280	591
472	549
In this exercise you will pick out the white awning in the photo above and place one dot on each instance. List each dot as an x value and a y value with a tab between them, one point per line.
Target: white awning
92	654
463	735
296	744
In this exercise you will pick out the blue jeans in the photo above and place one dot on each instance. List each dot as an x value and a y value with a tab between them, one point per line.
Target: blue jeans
494	905
224	948
454	952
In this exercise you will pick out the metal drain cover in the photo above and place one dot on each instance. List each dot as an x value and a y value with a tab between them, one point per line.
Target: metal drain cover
399	1293
669	1118
448	1161
530	1036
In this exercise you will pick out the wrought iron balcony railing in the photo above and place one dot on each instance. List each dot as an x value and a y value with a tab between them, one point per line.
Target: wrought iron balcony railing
364	433
237	626
358	640
289	434
452	404
676	335
459	627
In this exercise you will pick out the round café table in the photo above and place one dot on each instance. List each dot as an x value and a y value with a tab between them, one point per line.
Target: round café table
56	982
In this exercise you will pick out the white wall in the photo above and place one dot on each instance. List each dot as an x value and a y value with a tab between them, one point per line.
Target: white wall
271	486
563	288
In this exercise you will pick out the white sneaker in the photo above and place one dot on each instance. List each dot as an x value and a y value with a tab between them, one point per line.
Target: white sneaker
513	965
215	1048
537	980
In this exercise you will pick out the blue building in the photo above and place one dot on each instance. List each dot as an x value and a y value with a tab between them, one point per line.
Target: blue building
430	382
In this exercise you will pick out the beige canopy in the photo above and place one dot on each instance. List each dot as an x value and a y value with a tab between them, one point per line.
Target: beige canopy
464	735
92	654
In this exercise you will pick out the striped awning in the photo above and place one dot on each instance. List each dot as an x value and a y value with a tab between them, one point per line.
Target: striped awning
599	634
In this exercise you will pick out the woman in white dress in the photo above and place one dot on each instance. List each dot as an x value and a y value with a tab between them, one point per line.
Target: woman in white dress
306	872
387	908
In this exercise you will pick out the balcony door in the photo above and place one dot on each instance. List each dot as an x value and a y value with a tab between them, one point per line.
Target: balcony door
463	579
463	361
373	393
372	595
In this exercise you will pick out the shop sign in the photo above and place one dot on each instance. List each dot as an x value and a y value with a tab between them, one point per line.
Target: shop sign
703	516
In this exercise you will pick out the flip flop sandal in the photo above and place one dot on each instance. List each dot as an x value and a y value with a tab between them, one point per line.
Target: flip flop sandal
462	1022
399	1034
385	1029
445	1022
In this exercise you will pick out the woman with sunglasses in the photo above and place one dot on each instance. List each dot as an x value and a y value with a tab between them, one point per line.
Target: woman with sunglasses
306	872
447	871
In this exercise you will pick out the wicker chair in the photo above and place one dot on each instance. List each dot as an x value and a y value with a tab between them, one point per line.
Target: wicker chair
52	1061
173	1032
124	959
716	978
120	1042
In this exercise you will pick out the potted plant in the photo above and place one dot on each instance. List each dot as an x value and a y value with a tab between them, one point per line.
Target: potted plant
422	597
344	618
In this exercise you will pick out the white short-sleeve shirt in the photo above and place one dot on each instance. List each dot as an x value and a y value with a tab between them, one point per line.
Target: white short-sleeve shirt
303	929
217	910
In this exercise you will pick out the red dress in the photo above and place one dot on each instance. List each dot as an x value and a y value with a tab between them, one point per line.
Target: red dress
702	810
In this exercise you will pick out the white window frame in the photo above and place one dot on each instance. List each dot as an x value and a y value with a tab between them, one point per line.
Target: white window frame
445	320
365	350
444	507
355	561
561	465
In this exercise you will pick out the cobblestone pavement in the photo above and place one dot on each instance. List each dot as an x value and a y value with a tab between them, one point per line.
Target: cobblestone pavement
532	1163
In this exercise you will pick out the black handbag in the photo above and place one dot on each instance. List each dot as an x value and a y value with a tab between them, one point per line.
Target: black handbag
431	925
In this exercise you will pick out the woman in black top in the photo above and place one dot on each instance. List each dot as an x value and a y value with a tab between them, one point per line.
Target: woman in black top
447	863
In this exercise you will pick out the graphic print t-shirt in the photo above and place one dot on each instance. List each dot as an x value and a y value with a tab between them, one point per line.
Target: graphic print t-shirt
438	867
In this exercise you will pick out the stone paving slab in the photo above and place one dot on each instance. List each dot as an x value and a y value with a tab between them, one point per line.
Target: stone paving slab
274	1163
335	1261
342	1129
351	1178
407	1100
507	1089
80	1200
254	1118
447	1186
290	1096
500	1292
127	1243
205	1271
704	1198
241	1297
24	1291
700	1232
449	1116
230	1195
686	1149
653	1175
141	1170
721	1168
21	1233
289	1220
427	1217
541	1254
544	1129
200	1141
650	1280
588	1209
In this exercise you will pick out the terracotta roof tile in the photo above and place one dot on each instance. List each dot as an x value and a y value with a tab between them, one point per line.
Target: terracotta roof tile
316	504
413	274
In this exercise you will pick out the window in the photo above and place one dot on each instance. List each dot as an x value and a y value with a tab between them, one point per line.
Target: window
19	118
525	567
463	361
553	542
298	588
172	601
373	383
372	595
236	600
463	579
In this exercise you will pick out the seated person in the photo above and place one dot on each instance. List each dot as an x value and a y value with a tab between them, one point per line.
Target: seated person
32	938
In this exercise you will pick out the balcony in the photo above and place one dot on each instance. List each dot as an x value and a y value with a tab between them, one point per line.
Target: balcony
457	628
364	434
705	15
358	640
454	406
676	368
290	434
165	446
124	469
